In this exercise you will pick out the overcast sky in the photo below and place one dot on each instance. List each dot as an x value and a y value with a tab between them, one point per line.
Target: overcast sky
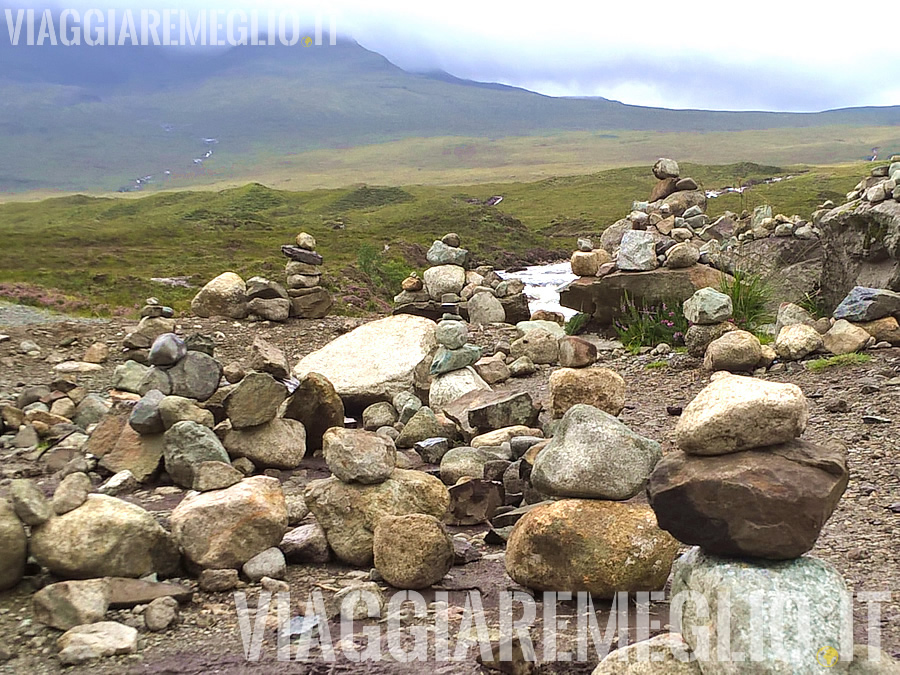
790	55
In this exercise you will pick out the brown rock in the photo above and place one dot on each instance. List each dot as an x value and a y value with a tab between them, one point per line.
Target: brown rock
412	551
663	189
132	452
317	405
575	352
96	353
699	337
765	503
474	501
599	387
883	330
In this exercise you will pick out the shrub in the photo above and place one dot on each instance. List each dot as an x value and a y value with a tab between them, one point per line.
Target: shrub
649	325
750	295
577	324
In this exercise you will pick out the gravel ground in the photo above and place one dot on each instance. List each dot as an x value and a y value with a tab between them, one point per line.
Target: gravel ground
861	538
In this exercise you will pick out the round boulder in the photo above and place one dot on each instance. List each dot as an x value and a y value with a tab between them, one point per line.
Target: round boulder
736	351
358	456
412	551
226	295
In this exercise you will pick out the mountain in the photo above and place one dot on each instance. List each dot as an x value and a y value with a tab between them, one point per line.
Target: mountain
98	118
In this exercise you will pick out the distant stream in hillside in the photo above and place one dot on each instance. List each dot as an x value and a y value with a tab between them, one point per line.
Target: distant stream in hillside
542	283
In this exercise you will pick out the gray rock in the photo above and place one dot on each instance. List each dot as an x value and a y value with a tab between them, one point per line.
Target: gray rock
29	503
167	350
122	482
593	455
637	252
210	476
868	304
666	168
447	360
797	340
128	376
262	288
267	358
277	309
464	462
358	456
681	255
451	334
442	254
145	417
254	400
379	415
432	450
306	544
444	279
424	424
219	581
484	308
71	493
736	351
754	593
174	409
270	563
450	386
538	345
91	410
524	327
406	405
497	410
708	306
13	547
147	331
161	613
279	444
67	604
195	376
94	641
226	295
186	444
789	314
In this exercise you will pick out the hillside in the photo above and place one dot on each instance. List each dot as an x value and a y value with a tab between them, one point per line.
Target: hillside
99	254
90	118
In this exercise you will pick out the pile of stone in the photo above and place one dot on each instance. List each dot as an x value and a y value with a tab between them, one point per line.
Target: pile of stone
752	498
592	465
480	295
882	184
309	300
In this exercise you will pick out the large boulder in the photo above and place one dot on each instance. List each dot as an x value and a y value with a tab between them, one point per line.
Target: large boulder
226	295
868	304
845	338
223	529
444	279
735	413
315	404
449	387
797	340
766	503
412	551
590	545
736	351
375	361
349	513
484	308
13	547
798	603
862	248
594	456
279	444
637	252
104	536
598	387
604	297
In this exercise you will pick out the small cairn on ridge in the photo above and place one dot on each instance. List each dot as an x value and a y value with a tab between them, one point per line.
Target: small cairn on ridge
304	273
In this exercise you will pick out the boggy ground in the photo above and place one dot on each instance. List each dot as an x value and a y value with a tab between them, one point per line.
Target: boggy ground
861	538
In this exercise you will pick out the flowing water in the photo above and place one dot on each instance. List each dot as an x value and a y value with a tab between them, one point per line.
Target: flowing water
542	283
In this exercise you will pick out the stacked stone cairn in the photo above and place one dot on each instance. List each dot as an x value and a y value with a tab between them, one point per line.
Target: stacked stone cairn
882	184
450	280
751	497
304	273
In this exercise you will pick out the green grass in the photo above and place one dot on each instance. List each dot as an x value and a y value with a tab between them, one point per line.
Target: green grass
577	324
101	252
841	360
750	298
657	365
647	326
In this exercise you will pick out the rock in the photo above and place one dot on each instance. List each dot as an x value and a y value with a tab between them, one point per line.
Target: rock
210	476
451	334
167	350
358	456
306	241
29	503
663	189
432	450
766	503
126	593
522	367
474	501
226	295
412	551
269	563
71	493
637	252
218	581
349	514
708	306
595	456
666	168
575	352
391	349
195	376
97	640
267	358
174	409
736	351
379	415
883	330
412	284
13	547
752	592
665	654
493	369
442	254
310	303
277	309
797	340
254	400
444	279
128	376
105	536
122	482
315	404
498	437
868	304
790	314
187	444
590	545
306	544
448	360
598	387
679	203
406	405
279	444
226	528
552	327
538	345
264	289
98	352
145	417
736	413
67	604
845	338
148	329
484	308
487	410
464	462
682	255
160	614
449	387
90	411
141	455
424	424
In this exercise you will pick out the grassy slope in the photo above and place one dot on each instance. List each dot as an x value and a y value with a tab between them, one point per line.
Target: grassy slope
107	249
